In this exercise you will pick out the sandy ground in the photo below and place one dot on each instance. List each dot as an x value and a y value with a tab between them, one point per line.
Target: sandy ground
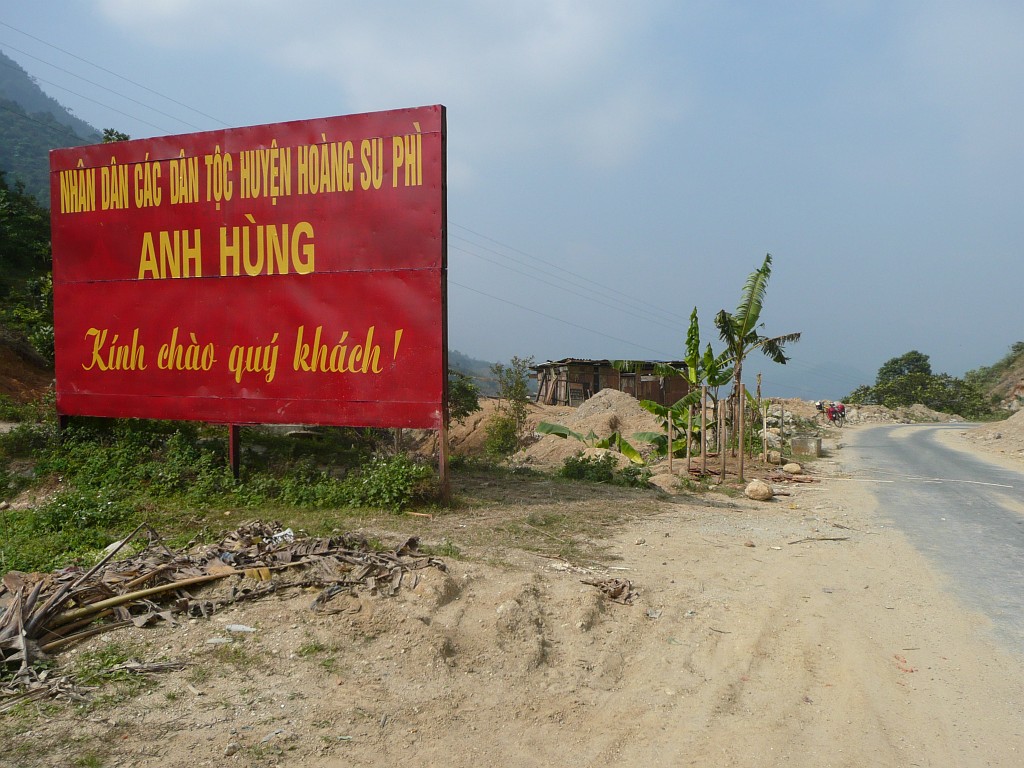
753	640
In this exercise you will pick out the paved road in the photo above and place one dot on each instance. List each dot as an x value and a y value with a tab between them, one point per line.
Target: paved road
965	514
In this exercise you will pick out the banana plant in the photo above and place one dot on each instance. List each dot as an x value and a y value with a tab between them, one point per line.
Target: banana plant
739	330
614	441
701	369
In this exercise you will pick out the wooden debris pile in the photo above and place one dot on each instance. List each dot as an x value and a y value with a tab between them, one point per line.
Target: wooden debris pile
779	476
616	590
42	613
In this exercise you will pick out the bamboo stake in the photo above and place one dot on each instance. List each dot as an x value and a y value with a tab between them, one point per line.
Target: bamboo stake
689	437
764	431
704	429
670	441
741	411
722	440
782	428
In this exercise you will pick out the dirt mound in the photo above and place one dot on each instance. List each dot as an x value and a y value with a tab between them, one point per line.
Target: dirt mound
606	412
24	375
1002	437
469	437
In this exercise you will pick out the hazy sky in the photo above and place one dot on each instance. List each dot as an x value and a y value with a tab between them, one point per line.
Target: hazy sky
613	165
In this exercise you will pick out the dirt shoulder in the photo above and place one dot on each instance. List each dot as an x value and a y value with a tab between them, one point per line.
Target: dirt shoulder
801	631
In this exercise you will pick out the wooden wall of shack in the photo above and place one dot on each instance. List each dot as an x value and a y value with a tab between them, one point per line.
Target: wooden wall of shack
571	381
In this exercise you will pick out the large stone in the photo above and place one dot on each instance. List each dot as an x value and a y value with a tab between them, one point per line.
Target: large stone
759	490
793	468
806	446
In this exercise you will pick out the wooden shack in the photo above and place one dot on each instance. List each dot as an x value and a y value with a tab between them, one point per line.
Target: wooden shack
571	381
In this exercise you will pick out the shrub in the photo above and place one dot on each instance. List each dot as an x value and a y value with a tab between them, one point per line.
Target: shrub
389	483
633	476
601	469
595	469
502	436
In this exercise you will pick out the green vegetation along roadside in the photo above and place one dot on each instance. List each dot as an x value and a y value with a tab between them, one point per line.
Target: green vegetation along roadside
105	477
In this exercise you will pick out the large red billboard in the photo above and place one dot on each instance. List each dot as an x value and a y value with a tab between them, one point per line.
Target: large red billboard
285	273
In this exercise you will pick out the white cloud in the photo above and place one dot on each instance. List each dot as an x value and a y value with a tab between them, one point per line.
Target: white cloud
537	76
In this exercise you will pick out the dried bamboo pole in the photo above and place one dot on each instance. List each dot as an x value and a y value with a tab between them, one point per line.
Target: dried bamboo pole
88	610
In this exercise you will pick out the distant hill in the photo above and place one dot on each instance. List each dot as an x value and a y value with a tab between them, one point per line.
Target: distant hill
31	124
478	370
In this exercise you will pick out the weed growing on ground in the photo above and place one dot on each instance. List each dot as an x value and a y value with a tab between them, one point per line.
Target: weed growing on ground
601	469
99	668
111	475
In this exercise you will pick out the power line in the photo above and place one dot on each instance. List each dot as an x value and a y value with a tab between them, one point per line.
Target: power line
100	103
559	319
554	285
670	315
115	74
635	308
99	85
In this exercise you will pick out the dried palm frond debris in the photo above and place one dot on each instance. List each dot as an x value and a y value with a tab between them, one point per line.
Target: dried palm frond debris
779	476
41	613
616	590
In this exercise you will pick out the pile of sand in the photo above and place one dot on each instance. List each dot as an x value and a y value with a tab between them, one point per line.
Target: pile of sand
606	412
1005	437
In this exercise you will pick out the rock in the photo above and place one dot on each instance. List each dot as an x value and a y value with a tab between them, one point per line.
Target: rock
774	457
793	468
238	628
759	490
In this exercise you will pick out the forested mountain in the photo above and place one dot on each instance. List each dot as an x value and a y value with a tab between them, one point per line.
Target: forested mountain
31	124
478	370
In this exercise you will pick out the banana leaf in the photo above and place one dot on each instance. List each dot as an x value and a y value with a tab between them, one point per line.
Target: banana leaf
615	441
558	430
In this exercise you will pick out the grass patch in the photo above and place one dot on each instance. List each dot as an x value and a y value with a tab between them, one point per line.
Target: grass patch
99	668
107	476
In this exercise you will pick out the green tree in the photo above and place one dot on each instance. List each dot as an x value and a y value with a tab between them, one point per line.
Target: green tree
26	288
700	369
995	381
505	429
904	390
908	379
463	396
24	236
110	135
913	362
